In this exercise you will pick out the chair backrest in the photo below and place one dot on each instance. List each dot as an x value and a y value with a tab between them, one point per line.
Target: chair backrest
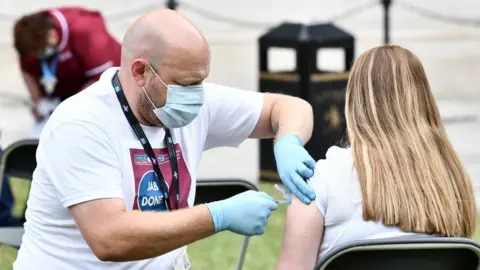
219	189
19	159
412	253
17	163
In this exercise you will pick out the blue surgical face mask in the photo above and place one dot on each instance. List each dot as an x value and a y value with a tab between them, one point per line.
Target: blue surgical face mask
182	106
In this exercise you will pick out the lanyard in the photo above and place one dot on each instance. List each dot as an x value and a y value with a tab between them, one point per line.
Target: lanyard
49	70
137	129
48	75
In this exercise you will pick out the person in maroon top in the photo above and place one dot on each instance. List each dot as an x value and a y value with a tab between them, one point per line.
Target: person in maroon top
62	51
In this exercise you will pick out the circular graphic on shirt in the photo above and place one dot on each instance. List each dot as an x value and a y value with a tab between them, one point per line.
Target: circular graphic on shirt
150	196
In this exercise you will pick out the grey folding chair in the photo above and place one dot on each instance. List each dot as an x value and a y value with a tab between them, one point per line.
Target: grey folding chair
18	161
220	189
412	253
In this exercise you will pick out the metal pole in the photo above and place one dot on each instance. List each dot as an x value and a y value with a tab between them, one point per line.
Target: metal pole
386	21
243	252
172	4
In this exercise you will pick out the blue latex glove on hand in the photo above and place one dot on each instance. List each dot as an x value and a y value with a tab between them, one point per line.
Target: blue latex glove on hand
295	166
246	213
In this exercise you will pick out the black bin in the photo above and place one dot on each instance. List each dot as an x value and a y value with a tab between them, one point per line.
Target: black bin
323	89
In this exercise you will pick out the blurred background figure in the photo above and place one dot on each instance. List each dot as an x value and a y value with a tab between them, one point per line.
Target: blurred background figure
62	51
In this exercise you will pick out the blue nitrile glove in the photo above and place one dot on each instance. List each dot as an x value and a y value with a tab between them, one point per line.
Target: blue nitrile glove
246	213
295	166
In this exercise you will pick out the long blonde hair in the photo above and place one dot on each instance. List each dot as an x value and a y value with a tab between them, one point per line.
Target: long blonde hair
409	173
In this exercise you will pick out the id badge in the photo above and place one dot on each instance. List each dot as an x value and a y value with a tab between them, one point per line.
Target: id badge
182	262
49	83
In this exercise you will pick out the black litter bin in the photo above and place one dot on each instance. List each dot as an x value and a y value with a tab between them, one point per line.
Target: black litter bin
323	89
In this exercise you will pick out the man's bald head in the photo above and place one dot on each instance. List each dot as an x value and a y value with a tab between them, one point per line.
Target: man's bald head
166	43
162	34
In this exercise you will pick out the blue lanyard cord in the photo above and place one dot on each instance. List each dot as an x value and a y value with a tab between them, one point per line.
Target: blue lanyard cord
51	69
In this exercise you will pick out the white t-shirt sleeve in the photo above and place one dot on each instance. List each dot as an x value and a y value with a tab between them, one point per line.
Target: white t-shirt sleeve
233	114
332	181
81	164
318	182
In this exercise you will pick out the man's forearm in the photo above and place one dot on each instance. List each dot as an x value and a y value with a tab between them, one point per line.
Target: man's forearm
35	93
32	87
291	115
142	235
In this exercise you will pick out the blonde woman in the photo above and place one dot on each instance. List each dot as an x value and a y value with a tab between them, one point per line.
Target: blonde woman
400	174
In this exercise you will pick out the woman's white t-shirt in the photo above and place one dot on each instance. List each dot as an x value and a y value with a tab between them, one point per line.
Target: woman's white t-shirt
339	200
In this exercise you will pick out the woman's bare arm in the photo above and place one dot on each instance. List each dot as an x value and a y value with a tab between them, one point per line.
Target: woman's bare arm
302	237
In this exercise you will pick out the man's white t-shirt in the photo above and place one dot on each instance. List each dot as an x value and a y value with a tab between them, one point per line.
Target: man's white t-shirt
88	151
339	199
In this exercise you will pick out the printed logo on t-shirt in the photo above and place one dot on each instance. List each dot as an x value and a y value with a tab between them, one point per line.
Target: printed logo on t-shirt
145	160
148	193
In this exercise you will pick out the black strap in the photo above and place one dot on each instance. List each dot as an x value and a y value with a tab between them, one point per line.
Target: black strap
172	154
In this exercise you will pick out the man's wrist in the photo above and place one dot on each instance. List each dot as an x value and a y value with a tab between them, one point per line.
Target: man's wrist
216	212
36	114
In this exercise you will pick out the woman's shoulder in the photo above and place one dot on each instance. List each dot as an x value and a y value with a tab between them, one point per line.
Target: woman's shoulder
336	152
332	174
337	159
335	185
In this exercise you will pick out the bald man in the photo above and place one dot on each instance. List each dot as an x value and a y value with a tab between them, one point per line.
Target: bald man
116	165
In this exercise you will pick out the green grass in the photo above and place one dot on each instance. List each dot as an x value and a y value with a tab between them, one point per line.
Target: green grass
20	189
219	252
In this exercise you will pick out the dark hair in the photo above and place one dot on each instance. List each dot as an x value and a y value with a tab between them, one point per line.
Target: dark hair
30	33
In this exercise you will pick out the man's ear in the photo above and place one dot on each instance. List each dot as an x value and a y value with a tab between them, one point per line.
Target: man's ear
138	69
